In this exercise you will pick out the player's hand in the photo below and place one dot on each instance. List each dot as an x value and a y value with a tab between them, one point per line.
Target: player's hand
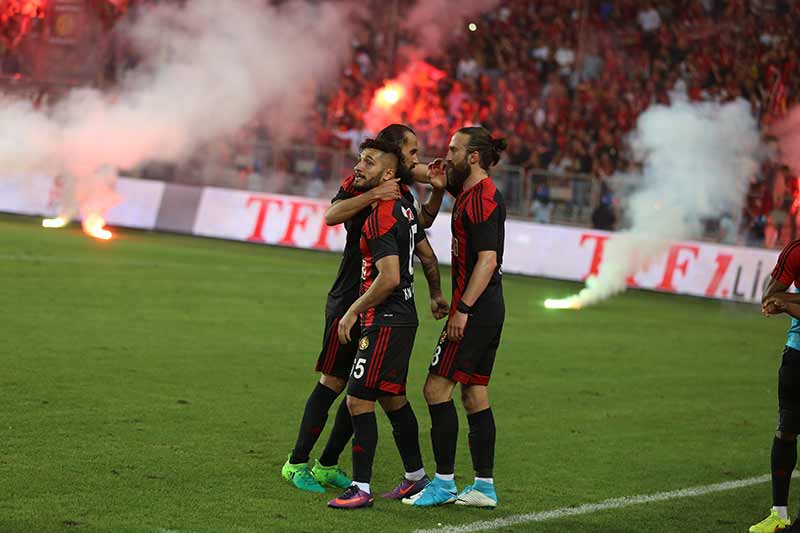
436	175
387	190
345	326
456	325
439	307
774	305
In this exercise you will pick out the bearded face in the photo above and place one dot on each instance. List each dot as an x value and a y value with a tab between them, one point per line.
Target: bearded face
457	170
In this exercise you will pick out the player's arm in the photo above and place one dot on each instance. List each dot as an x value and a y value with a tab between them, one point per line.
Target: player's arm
481	276
776	300
430	266
344	209
484	235
386	281
438	180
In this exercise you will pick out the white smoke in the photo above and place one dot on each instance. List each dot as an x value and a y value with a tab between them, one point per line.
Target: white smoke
698	160
208	68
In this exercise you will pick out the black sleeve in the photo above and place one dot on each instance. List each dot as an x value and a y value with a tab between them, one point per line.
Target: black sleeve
342	195
486	235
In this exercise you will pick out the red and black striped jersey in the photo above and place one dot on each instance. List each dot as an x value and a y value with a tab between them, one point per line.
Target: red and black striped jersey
345	288
391	230
478	224
787	269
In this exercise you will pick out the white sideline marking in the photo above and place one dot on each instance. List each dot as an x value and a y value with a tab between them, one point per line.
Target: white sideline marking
588	508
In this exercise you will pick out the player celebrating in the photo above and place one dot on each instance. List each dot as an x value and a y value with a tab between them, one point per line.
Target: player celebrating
351	207
388	319
777	300
466	350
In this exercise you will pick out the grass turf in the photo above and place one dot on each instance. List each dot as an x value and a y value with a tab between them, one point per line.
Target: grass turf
155	383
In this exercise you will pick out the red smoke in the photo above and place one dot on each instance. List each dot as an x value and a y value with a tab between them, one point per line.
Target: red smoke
15	19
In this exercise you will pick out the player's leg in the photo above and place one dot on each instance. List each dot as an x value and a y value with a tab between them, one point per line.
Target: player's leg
405	430
438	392
327	470
784	445
362	392
365	441
315	414
482	431
482	434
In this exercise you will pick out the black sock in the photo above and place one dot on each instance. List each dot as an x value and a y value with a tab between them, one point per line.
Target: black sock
314	417
365	440
444	435
406	436
340	435
481	442
784	458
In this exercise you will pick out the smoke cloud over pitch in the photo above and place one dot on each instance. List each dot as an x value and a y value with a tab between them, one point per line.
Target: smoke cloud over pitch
698	160
208	68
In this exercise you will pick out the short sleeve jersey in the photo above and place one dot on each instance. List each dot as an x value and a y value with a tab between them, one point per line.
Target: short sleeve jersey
391	229
478	224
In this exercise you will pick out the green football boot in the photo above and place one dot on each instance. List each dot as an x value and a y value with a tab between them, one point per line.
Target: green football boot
332	476
300	476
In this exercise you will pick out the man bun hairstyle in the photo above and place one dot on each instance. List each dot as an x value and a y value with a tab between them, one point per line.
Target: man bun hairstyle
488	148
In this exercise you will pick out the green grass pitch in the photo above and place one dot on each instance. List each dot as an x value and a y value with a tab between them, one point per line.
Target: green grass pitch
154	383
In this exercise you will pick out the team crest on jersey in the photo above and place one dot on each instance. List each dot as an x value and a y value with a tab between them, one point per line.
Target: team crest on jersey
363	344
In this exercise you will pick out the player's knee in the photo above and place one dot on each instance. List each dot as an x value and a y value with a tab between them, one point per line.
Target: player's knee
337	385
392	403
786	436
357	406
474	400
433	393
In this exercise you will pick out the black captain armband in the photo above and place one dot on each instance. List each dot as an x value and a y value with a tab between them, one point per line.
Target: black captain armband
463	308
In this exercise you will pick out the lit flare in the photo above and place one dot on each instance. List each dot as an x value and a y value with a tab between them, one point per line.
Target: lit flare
93	225
57	222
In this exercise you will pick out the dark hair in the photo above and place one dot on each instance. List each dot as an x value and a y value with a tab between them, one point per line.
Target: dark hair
384	146
395	133
481	141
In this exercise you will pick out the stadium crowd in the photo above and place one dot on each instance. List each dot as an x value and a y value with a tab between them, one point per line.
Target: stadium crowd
564	81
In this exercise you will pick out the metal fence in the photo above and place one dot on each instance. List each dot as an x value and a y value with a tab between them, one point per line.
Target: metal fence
317	171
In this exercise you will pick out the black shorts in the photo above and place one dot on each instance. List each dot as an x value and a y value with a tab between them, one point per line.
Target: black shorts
469	361
380	367
789	392
336	358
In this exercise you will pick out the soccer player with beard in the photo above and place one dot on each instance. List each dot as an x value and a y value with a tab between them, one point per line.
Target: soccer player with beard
351	207
388	318
467	346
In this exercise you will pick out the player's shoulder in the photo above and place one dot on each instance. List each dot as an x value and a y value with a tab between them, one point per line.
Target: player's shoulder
382	218
792	249
348	185
485	200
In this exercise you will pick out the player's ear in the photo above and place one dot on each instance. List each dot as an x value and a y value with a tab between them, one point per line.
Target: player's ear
389	174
